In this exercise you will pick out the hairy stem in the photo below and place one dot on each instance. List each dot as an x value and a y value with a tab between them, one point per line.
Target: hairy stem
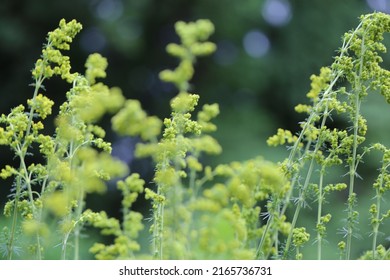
298	208
259	254
302	194
319	214
375	229
353	161
376	219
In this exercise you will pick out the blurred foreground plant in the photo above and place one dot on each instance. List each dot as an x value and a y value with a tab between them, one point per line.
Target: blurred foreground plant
76	159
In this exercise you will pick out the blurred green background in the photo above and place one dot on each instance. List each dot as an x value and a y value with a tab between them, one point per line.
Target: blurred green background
267	50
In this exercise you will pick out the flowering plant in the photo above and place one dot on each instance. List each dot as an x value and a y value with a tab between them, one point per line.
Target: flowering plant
237	210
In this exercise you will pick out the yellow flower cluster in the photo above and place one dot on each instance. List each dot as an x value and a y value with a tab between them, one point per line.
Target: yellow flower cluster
52	61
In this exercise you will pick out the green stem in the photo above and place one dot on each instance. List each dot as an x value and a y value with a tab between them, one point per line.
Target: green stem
158	224
64	245
160	230
259	254
38	85
301	200
353	164
319	214
302	194
80	205
378	211
22	150
10	243
376	226
352	174
293	182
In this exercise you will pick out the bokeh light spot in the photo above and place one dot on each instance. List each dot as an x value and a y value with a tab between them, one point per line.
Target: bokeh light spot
256	43
379	5
277	12
109	9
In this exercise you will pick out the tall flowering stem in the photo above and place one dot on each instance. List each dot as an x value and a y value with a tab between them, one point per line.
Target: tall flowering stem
358	63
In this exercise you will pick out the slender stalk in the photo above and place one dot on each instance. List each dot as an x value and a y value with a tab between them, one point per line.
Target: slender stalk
376	225
258	254
301	200
376	219
319	214
64	245
293	182
158	224
353	161
22	151
160	230
10	243
80	205
302	194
